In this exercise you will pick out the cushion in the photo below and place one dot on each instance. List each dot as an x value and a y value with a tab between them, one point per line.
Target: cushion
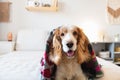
31	40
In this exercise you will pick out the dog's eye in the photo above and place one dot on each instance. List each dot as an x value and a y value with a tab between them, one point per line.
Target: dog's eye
74	33
62	34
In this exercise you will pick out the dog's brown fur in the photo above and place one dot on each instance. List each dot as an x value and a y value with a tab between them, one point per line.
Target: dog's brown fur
69	67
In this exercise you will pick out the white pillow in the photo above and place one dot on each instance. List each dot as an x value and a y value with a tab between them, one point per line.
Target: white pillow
31	40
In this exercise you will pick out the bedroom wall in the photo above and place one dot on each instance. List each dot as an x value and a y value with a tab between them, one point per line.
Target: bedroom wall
89	14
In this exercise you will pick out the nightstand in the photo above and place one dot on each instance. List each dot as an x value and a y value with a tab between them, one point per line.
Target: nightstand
6	47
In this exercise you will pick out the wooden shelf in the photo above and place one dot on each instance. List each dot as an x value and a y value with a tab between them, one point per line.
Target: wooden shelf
31	8
53	6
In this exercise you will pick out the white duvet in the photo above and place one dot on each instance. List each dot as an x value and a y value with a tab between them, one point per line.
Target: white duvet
111	71
20	65
25	65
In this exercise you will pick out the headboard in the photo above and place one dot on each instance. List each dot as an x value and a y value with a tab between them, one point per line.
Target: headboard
31	40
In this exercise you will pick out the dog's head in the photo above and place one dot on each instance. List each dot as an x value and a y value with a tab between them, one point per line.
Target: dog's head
70	42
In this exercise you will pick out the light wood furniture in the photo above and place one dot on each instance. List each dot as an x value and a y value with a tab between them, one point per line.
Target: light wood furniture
53	7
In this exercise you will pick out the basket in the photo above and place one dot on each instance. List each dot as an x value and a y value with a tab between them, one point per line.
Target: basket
117	49
104	54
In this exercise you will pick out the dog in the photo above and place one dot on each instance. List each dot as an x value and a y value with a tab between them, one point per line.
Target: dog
69	50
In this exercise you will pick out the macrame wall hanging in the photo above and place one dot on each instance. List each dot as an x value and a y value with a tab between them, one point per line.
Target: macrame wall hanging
113	9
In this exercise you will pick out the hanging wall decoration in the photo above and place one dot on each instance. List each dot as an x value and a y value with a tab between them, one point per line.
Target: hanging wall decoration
4	11
113	9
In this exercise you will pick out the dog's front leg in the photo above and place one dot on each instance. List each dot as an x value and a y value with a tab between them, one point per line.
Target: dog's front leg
81	77
59	76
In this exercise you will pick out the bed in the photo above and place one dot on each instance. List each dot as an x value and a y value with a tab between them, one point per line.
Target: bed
111	71
20	65
24	62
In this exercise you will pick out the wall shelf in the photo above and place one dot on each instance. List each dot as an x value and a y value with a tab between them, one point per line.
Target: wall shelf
31	8
52	7
108	46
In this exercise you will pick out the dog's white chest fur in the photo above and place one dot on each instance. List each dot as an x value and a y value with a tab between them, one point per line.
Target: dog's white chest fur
69	71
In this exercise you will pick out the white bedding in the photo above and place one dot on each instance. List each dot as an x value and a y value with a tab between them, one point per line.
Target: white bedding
25	65
20	65
111	71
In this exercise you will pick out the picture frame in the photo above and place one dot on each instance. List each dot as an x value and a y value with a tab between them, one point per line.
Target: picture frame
4	11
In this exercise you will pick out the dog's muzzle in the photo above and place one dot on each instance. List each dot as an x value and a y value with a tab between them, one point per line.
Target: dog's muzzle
70	52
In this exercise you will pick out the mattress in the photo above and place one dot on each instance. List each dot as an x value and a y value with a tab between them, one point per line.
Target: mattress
25	65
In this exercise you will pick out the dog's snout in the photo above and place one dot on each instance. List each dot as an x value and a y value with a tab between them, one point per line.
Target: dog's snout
70	44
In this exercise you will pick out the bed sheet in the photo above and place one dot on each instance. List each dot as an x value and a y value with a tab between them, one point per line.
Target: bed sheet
110	70
20	65
25	65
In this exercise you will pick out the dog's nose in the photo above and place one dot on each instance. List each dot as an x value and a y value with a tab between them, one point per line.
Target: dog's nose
69	45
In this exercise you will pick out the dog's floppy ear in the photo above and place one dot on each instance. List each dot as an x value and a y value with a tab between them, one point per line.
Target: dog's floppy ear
82	50
55	47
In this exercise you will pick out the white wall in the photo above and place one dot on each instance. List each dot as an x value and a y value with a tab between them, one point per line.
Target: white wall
89	14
